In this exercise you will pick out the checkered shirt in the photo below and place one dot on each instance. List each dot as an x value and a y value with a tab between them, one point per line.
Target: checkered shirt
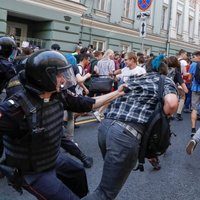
138	104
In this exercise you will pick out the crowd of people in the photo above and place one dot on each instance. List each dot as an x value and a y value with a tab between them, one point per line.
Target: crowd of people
44	91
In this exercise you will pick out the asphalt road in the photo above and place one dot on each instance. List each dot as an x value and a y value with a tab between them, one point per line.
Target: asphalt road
178	179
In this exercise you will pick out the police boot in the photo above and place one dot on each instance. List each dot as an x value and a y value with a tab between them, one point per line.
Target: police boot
87	161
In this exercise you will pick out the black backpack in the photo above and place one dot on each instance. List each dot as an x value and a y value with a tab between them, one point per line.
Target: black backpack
156	139
197	73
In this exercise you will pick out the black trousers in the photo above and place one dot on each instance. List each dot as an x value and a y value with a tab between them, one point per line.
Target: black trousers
67	181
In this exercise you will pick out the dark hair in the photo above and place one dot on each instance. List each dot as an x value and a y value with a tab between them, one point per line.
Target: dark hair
97	53
84	50
55	47
172	62
181	51
141	60
163	67
83	56
140	54
196	53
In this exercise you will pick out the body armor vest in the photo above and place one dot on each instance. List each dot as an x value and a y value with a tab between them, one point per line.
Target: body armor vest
38	149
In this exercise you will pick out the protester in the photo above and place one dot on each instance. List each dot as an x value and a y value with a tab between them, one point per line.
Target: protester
183	65
105	68
120	133
195	88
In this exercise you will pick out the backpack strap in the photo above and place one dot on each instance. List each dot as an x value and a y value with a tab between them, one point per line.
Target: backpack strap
161	89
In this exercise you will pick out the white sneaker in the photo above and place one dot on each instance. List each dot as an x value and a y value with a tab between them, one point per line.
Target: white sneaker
191	146
97	115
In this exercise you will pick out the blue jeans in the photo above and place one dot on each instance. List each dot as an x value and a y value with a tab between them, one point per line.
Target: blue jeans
60	183
188	96
120	152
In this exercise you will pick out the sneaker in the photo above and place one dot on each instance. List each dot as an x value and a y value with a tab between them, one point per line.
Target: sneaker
191	146
179	117
97	115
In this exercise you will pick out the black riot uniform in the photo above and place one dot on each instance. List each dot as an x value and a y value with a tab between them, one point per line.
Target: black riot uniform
32	132
7	70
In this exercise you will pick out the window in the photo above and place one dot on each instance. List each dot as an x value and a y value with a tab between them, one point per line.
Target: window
164	18
99	45
102	5
147	51
126	8
190	27
126	47
179	23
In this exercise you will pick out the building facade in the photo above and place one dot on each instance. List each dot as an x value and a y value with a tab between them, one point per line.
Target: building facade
172	24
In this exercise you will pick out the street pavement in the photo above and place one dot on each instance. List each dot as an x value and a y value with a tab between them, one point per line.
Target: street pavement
178	179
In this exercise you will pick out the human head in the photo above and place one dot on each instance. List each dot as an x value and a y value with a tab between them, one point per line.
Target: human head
84	59
78	49
182	54
42	69
55	47
141	60
71	59
157	64
172	62
130	59
98	55
7	45
196	56
109	54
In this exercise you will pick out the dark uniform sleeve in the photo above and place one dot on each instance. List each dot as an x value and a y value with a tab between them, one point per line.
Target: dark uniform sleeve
76	103
10	116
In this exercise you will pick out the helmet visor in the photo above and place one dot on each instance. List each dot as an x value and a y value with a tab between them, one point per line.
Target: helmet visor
69	76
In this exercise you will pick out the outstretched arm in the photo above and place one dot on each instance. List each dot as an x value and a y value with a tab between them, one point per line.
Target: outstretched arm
107	98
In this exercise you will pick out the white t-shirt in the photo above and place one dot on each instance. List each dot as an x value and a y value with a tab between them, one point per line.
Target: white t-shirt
183	64
79	89
126	72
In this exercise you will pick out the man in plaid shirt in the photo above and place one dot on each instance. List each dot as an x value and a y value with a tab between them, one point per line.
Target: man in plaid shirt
119	145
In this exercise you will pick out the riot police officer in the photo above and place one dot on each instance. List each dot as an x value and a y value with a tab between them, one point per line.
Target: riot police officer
31	125
7	70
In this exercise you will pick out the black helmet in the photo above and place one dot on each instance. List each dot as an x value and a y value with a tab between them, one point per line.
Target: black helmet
7	44
42	68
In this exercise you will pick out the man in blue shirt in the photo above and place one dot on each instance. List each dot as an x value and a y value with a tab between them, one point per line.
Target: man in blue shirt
195	92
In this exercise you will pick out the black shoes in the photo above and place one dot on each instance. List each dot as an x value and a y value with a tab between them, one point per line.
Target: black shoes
179	117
